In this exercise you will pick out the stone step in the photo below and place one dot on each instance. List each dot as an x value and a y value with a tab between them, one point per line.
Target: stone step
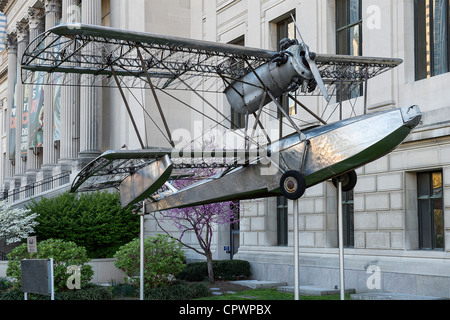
314	291
391	296
259	284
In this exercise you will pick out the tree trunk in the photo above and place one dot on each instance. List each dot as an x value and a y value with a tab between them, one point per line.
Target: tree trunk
210	266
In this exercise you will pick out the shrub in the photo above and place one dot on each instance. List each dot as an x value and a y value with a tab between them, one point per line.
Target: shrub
223	270
64	254
232	269
88	292
163	259
12	294
178	291
4	284
95	221
124	290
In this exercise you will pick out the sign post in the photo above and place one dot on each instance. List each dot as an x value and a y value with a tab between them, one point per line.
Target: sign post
341	242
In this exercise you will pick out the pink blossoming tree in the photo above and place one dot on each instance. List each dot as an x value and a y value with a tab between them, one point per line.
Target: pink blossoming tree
200	220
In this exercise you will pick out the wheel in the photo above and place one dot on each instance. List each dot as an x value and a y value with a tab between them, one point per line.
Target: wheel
348	179
293	185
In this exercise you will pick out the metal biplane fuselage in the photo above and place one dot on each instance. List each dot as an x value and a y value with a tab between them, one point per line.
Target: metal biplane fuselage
252	78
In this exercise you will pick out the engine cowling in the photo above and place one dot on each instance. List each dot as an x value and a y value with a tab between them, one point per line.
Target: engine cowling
245	94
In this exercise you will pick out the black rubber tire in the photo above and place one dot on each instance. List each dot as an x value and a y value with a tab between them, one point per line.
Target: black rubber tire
349	181
293	185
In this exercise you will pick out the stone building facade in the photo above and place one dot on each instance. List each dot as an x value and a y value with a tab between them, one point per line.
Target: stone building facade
397	220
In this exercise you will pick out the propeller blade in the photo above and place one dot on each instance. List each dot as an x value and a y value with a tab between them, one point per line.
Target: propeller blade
312	64
316	73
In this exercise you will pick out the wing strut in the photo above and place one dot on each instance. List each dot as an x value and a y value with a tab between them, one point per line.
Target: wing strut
127	106
267	91
190	88
258	122
155	96
307	109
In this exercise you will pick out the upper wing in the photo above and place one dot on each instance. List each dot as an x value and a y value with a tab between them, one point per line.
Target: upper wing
171	62
344	72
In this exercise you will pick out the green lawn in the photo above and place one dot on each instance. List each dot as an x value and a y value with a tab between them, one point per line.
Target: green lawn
268	294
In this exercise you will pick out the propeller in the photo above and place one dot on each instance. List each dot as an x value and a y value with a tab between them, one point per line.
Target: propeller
311	59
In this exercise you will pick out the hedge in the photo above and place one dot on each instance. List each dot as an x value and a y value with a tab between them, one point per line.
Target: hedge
223	270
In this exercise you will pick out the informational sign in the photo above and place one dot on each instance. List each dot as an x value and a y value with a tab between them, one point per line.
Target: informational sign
37	276
32	244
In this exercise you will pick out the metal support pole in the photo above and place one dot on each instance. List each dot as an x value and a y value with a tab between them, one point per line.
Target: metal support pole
52	280
340	99
141	254
296	248
340	219
366	81
341	242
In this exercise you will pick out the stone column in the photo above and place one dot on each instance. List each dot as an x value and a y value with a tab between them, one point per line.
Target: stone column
11	47
52	10
70	101
36	27
22	42
90	104
52	15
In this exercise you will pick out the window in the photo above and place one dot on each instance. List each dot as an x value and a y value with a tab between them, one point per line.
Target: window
282	221
431	37
347	215
430	209
235	233
286	29
349	35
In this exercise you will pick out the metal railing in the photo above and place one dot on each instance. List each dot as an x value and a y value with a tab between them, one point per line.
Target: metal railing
35	188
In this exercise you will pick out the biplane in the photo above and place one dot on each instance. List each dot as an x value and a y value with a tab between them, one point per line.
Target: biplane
250	78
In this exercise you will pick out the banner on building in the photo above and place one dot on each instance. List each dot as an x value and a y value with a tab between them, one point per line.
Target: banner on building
12	125
25	118
57	106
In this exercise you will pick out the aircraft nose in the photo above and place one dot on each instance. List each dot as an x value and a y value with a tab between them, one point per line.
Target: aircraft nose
411	116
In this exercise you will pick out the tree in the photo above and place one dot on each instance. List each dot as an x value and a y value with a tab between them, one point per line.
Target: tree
200	219
95	221
16	224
